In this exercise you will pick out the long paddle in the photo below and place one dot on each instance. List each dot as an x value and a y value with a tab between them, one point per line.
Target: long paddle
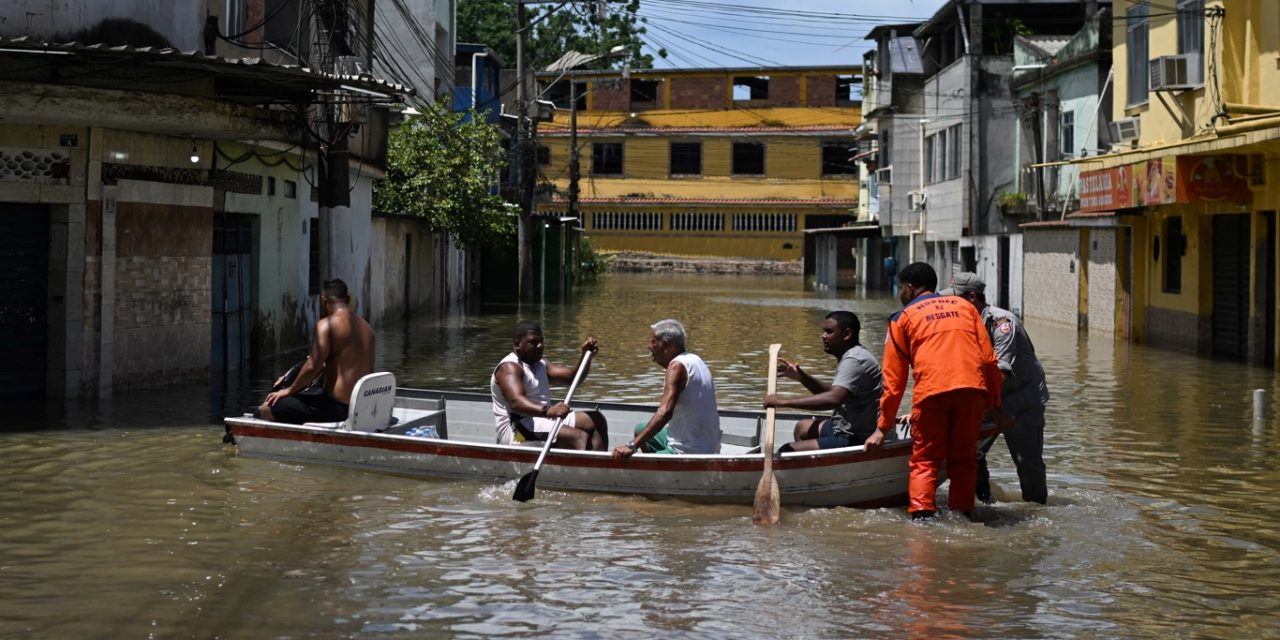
768	505
524	488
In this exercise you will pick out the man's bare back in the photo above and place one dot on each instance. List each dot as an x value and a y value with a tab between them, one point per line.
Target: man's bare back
342	348
350	346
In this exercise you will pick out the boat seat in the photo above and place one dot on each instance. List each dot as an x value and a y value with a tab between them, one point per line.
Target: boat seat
372	400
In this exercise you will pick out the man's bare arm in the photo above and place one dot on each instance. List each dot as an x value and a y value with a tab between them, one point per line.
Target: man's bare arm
511	382
561	374
312	367
673	385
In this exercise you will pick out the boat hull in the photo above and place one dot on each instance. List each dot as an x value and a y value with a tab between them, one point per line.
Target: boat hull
841	477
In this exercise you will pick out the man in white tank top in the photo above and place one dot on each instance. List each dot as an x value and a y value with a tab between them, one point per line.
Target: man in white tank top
521	391
687	420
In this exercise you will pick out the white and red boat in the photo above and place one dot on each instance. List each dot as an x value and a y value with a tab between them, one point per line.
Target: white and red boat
464	449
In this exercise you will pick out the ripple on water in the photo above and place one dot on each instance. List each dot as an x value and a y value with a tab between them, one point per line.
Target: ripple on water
1161	520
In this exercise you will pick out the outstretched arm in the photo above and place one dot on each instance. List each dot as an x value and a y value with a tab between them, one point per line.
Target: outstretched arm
673	385
830	399
311	367
561	374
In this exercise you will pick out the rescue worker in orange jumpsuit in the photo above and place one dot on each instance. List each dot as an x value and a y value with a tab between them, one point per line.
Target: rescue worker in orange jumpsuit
944	343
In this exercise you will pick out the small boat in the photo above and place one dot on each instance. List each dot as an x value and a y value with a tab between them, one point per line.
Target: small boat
461	446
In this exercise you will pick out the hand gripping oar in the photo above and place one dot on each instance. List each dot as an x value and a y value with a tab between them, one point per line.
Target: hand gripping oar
524	488
768	505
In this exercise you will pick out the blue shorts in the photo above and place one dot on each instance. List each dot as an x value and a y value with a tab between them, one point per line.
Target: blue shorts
829	438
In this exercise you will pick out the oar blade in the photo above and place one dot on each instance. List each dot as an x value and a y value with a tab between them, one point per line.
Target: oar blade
524	488
768	505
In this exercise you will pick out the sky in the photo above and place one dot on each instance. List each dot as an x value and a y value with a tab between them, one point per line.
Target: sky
770	33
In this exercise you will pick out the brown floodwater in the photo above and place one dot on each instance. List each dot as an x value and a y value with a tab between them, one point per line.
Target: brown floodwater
128	518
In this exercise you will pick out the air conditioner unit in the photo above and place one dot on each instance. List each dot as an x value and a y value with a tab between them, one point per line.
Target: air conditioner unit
916	200
1177	73
1125	130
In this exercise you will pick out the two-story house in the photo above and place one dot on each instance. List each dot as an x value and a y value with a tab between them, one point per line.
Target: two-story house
949	214
1187	195
159	181
703	162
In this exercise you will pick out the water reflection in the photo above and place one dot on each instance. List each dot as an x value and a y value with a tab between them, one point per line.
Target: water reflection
128	518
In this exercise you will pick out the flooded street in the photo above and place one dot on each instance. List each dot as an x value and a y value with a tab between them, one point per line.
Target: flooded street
129	518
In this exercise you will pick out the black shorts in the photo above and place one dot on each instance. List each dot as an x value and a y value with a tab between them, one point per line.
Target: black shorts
309	406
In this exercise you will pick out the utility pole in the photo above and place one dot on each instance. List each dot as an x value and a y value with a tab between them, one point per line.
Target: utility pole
524	181
575	172
332	173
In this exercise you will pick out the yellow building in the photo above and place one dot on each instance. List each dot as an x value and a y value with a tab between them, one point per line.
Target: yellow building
703	162
1176	234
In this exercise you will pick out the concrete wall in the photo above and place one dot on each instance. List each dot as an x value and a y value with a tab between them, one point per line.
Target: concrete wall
1051	281
1103	279
432	71
947	97
284	309
163	277
181	22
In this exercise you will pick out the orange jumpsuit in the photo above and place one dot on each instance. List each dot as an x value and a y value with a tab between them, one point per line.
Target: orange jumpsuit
945	344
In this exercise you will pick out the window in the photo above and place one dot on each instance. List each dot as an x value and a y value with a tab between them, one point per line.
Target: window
1067	133
751	88
929	143
627	221
953	160
544	155
235	18
606	159
835	159
764	222
1191	26
697	222
644	93
313	268
686	158
942	155
290	189
845	86
748	159
1136	42
1175	244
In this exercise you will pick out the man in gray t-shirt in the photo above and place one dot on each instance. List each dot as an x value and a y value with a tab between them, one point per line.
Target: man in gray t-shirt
854	394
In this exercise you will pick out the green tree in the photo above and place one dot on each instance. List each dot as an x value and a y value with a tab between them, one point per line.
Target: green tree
443	166
576	26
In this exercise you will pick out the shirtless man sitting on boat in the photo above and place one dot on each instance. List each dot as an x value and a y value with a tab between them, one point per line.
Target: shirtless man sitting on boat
342	348
521	390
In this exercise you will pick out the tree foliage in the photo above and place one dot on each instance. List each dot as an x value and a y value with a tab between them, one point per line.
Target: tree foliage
575	26
443	166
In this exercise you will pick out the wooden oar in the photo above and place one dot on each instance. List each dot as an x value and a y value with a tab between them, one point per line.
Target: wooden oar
768	505
524	488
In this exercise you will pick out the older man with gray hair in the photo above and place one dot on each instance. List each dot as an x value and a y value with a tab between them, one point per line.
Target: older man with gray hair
1024	393
687	420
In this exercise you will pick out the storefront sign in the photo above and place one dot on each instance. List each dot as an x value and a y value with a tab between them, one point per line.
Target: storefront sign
1220	178
1107	189
1169	180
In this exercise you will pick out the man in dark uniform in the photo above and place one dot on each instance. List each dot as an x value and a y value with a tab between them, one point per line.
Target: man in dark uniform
1024	392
